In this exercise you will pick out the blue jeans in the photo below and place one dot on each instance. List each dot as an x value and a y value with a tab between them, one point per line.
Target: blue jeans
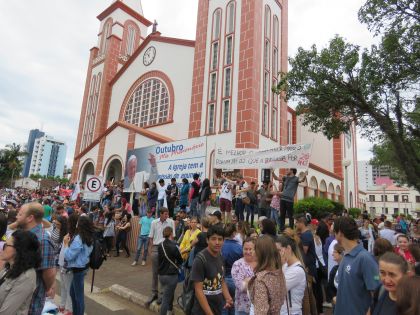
194	207
159	206
250	209
274	215
77	292
231	286
143	241
239	209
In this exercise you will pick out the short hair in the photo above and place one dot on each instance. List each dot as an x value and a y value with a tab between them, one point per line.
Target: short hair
132	158
302	218
294	170
161	180
230	228
268	227
404	236
167	232
36	210
388	224
173	179
395	259
60	207
338	248
215	230
185	181
381	246
163	209
348	227
196	176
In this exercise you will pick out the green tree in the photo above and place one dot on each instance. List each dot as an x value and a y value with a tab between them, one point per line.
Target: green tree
376	88
11	163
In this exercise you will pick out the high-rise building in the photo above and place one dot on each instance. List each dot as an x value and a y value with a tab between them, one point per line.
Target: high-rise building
365	175
33	135
48	157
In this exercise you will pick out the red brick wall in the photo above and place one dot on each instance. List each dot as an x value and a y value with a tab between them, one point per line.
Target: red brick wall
198	71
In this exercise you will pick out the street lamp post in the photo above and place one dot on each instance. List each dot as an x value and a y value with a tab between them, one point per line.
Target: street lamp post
346	164
39	183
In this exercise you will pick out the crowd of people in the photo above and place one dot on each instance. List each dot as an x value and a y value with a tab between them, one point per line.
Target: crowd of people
234	251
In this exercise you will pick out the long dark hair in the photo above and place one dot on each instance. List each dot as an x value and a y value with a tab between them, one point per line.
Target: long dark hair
3	225
63	229
72	223
85	230
109	216
28	253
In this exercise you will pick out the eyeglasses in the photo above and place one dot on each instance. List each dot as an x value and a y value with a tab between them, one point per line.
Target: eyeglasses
5	245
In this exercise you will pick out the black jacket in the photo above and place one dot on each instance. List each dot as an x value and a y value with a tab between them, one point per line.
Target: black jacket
172	251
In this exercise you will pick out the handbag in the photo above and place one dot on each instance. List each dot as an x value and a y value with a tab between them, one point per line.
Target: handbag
181	273
246	200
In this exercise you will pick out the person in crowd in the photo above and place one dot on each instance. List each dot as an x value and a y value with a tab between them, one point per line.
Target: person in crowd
155	238
77	253
161	200
61	211
294	273
66	274
211	291
194	195
403	250
338	254
275	205
392	269
58	233
123	228
152	197
143	240
388	233
126	206
357	276
109	231
3	229
241	193
225	199
253	203
170	261
264	199
143	206
47	209
172	196
268	227
18	280
216	218
408	292
189	236
323	229
267	288
30	218
231	252
205	194
290	184
183	195
366	232
242	272
415	251
200	242
310	256
242	232
181	227
380	247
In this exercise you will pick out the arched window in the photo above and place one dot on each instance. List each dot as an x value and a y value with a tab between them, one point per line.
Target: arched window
149	104
230	18
106	32
217	17
88	114
131	37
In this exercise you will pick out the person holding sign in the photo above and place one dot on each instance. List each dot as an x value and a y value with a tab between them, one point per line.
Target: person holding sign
289	187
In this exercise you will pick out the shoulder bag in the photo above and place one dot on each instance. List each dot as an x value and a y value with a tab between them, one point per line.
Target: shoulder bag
181	273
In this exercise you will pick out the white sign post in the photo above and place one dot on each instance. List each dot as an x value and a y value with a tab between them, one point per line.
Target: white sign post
93	188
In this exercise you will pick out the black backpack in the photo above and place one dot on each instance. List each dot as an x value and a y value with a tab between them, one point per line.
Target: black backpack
186	300
98	254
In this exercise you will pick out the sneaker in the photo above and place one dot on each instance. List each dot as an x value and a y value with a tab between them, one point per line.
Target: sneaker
150	300
134	263
327	305
143	263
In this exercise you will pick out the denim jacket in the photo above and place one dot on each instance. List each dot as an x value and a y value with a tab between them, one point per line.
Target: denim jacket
77	254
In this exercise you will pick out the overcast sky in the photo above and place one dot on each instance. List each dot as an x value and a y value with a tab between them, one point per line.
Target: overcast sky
45	50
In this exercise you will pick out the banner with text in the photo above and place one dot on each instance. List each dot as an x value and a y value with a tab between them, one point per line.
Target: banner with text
287	156
179	159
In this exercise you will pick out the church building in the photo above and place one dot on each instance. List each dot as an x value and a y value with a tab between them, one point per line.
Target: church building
143	88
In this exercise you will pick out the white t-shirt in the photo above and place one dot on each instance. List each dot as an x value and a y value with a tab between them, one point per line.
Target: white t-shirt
226	191
318	251
389	235
331	261
161	192
296	284
243	186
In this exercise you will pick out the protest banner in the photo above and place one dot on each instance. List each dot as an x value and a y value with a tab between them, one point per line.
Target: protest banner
179	159
288	156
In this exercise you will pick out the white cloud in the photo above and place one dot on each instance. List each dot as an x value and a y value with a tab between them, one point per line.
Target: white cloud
45	50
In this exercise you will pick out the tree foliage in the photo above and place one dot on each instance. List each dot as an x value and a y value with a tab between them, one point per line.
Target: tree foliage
376	88
11	162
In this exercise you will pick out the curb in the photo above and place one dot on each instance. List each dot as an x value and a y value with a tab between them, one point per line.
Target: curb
140	299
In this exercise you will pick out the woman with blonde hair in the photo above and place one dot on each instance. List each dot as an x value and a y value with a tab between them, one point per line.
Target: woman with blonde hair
267	288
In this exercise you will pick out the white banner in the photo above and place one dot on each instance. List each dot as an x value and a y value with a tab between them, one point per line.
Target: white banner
287	156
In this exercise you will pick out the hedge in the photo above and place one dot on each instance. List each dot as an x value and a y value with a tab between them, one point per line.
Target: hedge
315	206
355	212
